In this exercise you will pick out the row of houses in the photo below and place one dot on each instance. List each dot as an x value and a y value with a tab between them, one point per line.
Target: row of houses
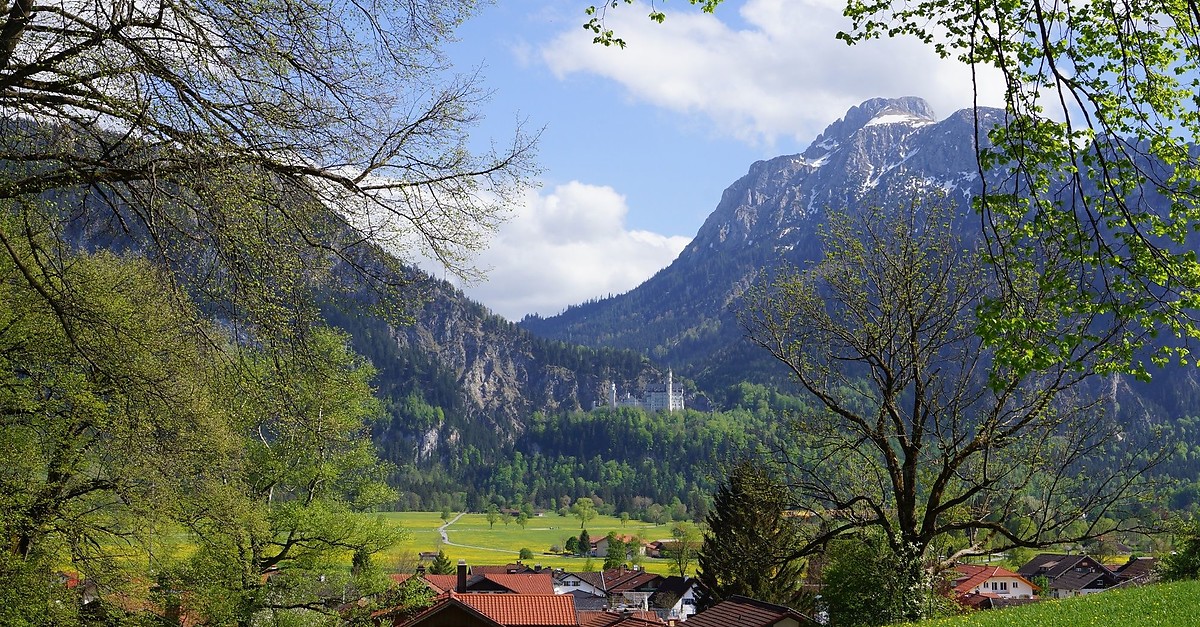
519	596
1048	575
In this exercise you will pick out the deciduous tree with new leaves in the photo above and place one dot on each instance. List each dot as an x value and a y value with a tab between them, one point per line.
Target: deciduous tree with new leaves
247	156
915	430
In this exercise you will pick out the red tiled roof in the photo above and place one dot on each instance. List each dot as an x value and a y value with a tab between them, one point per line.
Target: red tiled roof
971	575
506	610
744	612
441	583
529	583
522	609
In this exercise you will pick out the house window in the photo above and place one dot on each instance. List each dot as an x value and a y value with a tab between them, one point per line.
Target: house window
1004	585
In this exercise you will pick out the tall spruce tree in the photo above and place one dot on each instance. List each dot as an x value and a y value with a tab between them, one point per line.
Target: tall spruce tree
441	565
749	541
585	543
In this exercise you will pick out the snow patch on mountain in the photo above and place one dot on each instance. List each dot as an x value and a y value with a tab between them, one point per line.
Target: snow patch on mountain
899	118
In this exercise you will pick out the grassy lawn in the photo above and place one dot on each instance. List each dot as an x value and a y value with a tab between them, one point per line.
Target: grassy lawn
501	543
1162	605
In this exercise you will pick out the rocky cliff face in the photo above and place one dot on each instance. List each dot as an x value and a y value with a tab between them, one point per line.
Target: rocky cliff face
483	371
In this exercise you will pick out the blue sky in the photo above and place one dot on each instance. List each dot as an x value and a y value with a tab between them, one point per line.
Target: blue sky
638	144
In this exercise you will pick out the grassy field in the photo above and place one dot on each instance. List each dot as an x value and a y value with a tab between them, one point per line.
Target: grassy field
502	543
1162	605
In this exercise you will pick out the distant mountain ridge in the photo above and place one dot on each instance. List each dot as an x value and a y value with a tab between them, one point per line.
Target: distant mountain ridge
685	315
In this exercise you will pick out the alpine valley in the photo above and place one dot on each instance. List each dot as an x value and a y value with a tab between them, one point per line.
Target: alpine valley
480	410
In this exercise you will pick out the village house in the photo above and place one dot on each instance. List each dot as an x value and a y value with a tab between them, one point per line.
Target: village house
632	544
993	581
983	587
676	597
1137	571
1069	575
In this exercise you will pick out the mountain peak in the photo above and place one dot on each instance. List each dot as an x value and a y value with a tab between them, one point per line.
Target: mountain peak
909	110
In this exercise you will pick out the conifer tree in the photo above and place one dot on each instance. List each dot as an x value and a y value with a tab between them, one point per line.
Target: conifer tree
749	540
441	565
585	543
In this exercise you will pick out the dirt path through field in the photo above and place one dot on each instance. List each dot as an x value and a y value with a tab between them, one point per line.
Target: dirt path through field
447	542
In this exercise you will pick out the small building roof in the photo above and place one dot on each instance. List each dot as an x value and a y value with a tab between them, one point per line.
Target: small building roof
1138	570
1069	572
619	619
503	610
746	612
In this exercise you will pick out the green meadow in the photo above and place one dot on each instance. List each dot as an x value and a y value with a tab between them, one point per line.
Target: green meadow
502	543
1161	605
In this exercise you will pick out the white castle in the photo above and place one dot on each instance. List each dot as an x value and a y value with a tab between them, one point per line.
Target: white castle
656	397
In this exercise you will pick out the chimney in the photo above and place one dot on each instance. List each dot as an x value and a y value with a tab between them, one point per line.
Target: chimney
462	577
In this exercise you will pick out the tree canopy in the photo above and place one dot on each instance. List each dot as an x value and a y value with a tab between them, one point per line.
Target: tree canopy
242	160
916	434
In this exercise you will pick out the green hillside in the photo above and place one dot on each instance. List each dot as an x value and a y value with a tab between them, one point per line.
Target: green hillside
1163	605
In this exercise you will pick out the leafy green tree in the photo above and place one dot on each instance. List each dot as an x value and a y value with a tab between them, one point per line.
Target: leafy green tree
251	176
307	473
584	510
681	551
624	518
900	441
110	417
492	513
1184	561
525	553
614	557
522	520
572	545
441	565
750	542
397	603
858	585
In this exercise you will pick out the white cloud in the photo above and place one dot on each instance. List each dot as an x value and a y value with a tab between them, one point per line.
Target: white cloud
783	75
565	247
